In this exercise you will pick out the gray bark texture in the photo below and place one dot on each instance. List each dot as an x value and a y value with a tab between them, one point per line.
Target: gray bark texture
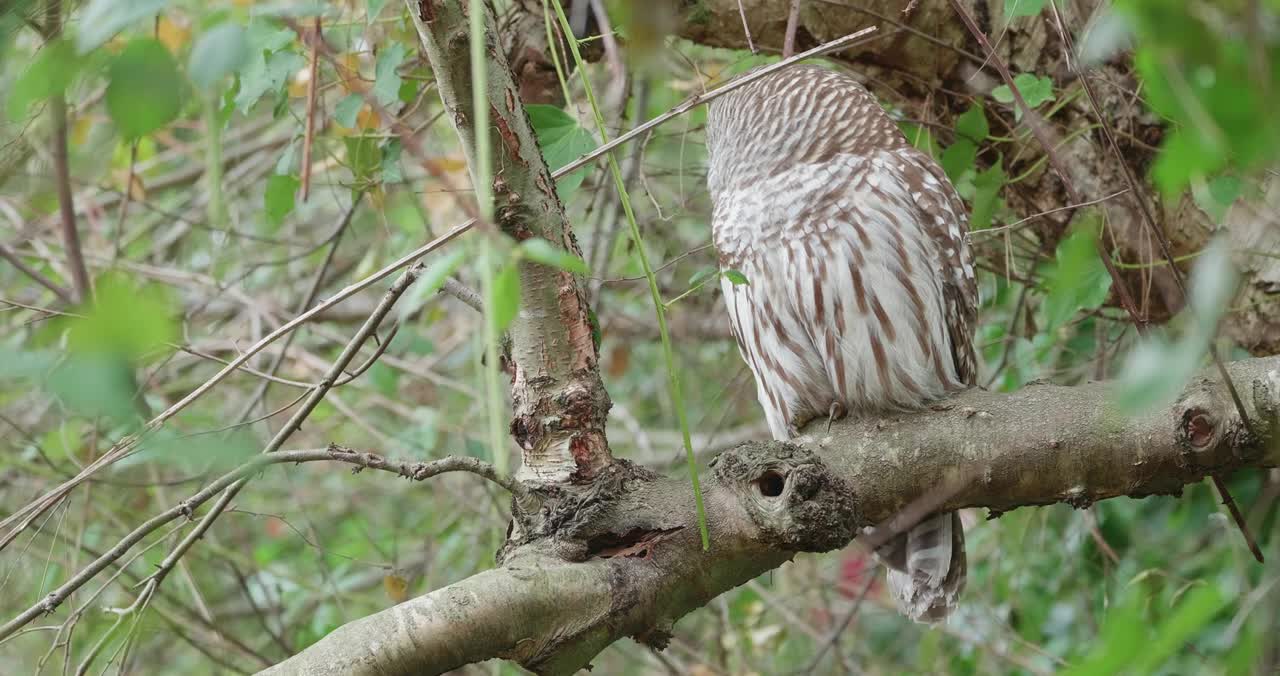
601	549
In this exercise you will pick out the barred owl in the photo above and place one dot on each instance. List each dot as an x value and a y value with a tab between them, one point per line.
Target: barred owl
861	291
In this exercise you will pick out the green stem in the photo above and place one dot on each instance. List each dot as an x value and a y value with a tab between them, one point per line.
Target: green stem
480	109
554	49
492	385
673	377
484	198
668	304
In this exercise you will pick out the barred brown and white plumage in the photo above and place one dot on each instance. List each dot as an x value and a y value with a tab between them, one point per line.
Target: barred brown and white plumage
861	292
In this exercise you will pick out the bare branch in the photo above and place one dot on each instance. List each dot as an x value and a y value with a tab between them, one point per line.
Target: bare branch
35	275
62	174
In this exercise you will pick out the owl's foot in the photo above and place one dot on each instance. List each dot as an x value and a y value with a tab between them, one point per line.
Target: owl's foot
836	412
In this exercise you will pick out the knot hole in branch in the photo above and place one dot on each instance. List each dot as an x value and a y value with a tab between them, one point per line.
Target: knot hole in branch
797	501
771	484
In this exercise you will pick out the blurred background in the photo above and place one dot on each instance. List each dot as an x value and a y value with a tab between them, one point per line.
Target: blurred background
204	175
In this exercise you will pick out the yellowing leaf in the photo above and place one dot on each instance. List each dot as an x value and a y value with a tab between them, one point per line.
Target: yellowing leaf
397	588
349	73
173	34
450	164
137	190
368	118
80	129
298	83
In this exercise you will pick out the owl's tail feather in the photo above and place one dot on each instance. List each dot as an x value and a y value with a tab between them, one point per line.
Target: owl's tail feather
927	568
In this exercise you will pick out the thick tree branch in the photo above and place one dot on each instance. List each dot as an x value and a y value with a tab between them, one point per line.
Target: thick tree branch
635	565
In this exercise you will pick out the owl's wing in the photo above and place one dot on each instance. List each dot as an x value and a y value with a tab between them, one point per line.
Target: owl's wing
948	224
875	281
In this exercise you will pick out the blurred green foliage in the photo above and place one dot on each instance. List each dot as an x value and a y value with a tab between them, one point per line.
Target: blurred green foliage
1213	70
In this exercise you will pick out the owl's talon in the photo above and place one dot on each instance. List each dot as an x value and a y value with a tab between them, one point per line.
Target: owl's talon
836	412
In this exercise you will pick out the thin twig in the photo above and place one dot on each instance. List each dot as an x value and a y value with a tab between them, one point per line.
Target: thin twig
373	358
308	299
839	629
408	138
309	134
746	29
1042	214
417	471
314	397
706	97
126	445
793	22
66	203
35	275
462	292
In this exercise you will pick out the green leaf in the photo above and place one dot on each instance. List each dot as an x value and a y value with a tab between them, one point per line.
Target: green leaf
1226	189
986	197
386	84
703	276
1121	639
372	9
221	51
921	138
391	172
1213	282
1077	281
1035	90
96	385
64	441
266	72
541	251
735	277
1017	8
50	73
1195	611
973	124
596	334
562	141
504	297
1217	196
347	109
429	283
958	158
124	319
364	157
101	19
145	92
279	198
286	164
1155	371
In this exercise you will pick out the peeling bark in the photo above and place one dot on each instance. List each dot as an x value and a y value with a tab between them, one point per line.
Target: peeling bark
560	403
